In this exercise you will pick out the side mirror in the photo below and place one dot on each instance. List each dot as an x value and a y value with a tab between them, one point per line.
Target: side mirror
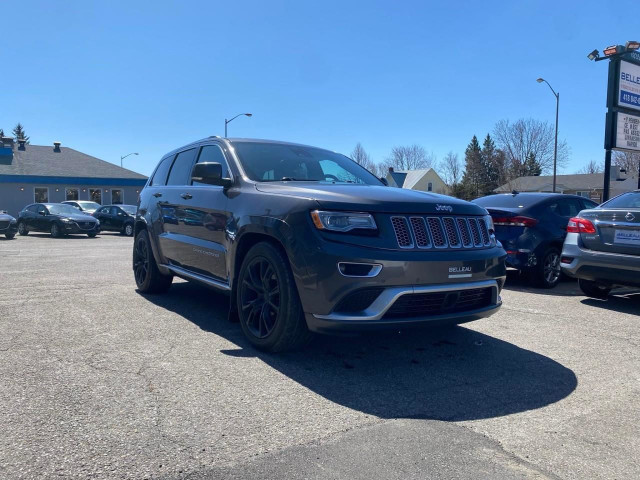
384	180
42	212
209	173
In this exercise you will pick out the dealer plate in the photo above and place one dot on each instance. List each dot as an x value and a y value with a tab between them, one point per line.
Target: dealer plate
627	237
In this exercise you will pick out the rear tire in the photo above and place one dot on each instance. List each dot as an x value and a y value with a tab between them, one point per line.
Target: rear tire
594	289
22	229
145	269
91	235
9	235
128	230
268	304
547	272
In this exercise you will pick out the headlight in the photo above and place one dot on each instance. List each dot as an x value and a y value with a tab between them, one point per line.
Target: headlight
13	220
342	221
66	220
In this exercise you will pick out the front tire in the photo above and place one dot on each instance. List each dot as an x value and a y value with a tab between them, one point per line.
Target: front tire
145	269
91	235
128	230
55	231
594	289
9	235
22	229
268	304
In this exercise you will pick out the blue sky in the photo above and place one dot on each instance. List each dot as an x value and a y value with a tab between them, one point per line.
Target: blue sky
109	78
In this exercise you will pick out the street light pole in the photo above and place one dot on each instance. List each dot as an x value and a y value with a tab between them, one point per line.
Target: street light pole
125	156
555	145
226	122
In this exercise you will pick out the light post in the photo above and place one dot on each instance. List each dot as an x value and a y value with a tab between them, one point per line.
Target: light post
125	156
555	145
226	122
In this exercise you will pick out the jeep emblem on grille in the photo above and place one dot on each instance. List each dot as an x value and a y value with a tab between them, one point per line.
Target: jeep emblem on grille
444	208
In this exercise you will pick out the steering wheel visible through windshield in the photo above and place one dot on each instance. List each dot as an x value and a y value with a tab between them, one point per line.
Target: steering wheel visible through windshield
272	162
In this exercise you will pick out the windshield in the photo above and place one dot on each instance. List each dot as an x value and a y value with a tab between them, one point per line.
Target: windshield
89	205
269	162
130	209
626	200
62	209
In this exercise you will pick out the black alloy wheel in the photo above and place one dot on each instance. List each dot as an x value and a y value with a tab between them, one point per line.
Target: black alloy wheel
55	230
145	270
267	301
548	271
260	297
22	229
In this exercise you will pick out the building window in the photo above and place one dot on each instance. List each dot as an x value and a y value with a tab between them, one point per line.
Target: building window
95	195
430	187
41	195
583	194
71	194
116	197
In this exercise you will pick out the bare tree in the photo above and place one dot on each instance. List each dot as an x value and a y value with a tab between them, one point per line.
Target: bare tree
451	169
628	161
592	167
410	158
526	140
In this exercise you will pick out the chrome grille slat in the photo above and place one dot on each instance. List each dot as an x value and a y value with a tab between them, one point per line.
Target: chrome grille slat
437	232
453	232
401	228
453	237
420	232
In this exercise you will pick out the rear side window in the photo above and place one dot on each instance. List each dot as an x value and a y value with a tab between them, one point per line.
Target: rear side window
626	200
33	208
566	207
213	153
180	173
160	177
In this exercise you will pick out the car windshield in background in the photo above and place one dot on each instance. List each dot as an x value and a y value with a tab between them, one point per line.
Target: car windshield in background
89	205
269	162
508	201
130	209
62	209
626	200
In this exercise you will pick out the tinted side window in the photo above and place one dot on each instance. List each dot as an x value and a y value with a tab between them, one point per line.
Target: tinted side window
567	208
589	204
213	153
33	208
114	210
160	177
41	208
104	210
180	173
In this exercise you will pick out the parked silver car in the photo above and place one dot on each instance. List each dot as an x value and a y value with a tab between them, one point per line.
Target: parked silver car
602	248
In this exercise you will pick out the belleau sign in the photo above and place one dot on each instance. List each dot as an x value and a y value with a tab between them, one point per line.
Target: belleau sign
629	86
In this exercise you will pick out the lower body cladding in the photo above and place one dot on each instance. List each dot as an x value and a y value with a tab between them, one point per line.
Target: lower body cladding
74	228
604	267
409	288
8	229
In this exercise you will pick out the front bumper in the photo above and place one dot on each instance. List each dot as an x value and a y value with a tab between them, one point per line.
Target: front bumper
322	287
11	228
613	268
74	228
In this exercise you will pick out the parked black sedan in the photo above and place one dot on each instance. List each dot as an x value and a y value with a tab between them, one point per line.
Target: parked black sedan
532	228
56	218
8	225
117	218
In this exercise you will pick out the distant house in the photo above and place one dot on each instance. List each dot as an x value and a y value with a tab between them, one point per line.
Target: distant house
425	180
588	185
36	173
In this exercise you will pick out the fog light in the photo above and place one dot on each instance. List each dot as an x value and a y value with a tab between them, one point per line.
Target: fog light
351	269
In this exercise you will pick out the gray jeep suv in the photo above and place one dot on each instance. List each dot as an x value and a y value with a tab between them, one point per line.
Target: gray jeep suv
306	240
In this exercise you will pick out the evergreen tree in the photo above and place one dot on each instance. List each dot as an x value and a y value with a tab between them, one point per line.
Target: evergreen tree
1	133
19	133
490	169
531	165
473	170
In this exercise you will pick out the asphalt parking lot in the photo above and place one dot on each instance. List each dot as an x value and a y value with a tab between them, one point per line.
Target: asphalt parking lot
99	381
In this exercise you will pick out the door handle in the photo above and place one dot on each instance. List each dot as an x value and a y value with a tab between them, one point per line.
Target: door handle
157	195
186	196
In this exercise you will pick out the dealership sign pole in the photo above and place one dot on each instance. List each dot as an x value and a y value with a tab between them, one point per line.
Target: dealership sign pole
622	126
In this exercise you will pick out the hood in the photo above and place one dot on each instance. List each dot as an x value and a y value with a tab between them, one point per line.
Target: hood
6	217
372	198
78	217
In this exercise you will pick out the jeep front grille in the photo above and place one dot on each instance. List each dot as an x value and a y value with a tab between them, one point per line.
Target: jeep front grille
441	232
